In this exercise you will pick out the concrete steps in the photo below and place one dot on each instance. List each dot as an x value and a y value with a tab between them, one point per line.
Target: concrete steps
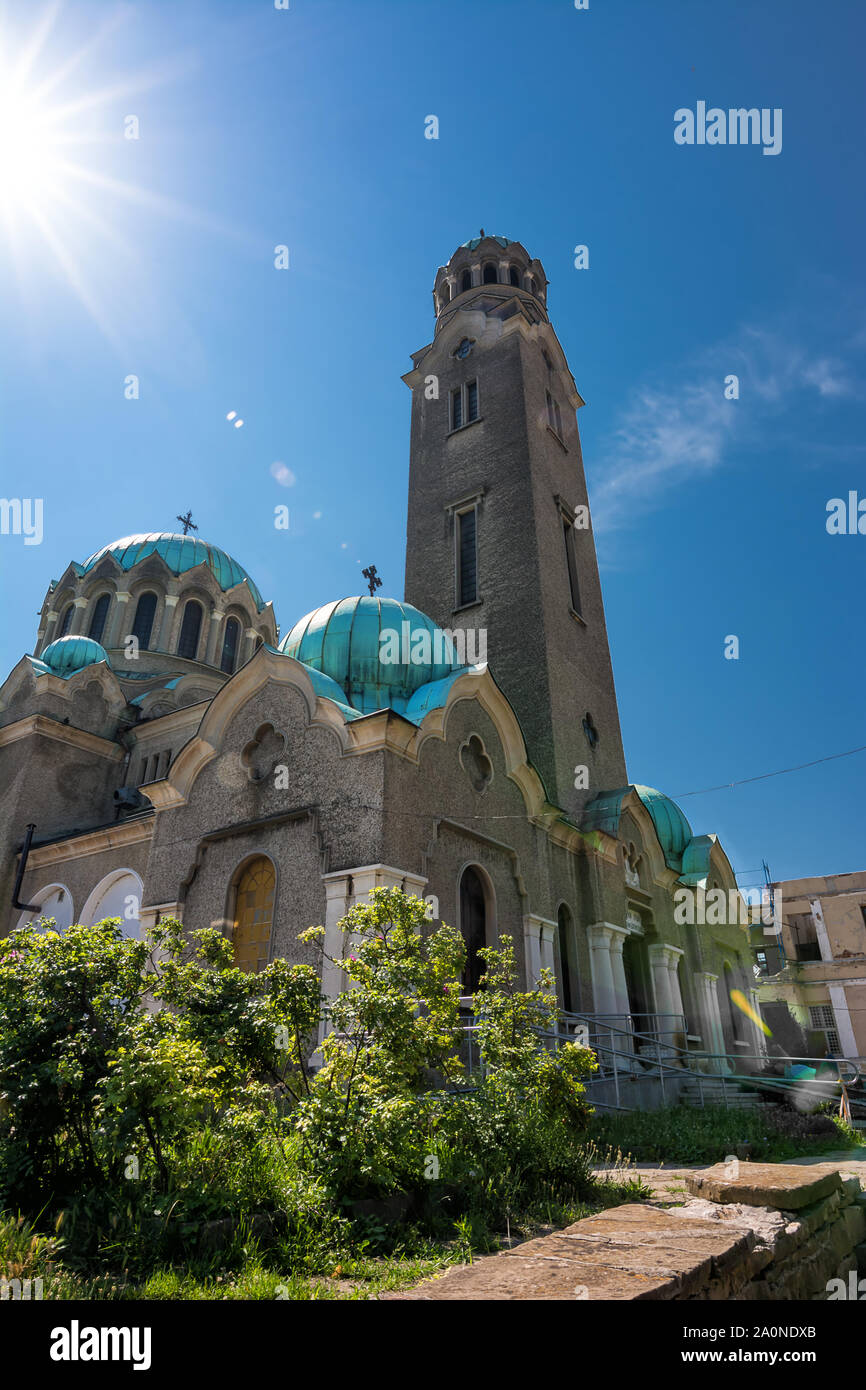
718	1091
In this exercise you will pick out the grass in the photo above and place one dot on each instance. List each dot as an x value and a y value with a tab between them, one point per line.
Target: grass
356	1268
683	1135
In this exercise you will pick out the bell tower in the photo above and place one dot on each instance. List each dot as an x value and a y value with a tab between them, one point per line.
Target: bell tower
499	539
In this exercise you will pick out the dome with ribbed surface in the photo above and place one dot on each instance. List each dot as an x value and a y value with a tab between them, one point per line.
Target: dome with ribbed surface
70	654
377	650
180	553
673	830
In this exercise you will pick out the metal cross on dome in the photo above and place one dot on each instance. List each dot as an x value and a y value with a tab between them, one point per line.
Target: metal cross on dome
372	578
187	522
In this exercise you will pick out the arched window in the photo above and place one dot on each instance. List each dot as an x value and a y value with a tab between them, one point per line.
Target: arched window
254	914
117	895
54	901
230	645
100	613
144	614
514	275
533	288
66	620
490	276
189	630
466	281
567	963
473	925
444	295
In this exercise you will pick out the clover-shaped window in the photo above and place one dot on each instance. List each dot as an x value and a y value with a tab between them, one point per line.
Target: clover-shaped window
476	764
262	754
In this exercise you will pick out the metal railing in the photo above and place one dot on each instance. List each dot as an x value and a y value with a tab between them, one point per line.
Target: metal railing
625	1052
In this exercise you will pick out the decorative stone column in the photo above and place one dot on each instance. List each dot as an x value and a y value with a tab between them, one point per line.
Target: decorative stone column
163	643
76	627
664	960
609	987
250	636
759	1034
343	890
711	1020
46	633
114	629
539	935
213	636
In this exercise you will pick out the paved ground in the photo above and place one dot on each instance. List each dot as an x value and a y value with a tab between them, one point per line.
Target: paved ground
667	1180
663	1248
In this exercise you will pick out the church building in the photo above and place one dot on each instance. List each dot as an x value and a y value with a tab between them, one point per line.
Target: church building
174	757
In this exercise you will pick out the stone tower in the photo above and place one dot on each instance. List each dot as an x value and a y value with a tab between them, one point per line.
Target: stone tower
498	534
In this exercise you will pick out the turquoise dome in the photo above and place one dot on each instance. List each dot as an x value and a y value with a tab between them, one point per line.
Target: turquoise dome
70	654
488	236
180	553
344	641
673	830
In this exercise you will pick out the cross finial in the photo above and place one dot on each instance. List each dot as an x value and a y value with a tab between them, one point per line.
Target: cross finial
187	522
372	578
482	231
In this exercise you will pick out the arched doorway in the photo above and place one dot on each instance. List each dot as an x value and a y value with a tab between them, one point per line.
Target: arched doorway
254	914
473	926
569	985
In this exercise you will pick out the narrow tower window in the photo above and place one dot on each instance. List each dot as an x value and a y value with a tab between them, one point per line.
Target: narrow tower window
67	620
490	276
456	408
144	615
514	275
230	646
467	557
189	630
466	281
571	561
100	613
471	401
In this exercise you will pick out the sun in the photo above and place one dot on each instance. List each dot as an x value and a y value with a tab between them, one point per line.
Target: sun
30	164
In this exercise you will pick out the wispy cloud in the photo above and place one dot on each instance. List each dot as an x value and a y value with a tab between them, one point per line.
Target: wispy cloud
671	432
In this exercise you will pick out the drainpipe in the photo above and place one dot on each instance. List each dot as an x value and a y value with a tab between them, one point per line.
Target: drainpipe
19	877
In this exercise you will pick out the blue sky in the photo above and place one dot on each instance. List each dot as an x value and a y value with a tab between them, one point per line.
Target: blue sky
306	128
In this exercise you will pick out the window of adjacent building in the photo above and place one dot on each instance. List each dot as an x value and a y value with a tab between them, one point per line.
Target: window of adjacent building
467	557
189	630
142	627
571	563
254	915
230	645
464	404
823	1020
66	621
804	936
490	276
100	613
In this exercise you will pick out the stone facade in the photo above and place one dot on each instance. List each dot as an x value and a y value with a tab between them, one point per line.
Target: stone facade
154	778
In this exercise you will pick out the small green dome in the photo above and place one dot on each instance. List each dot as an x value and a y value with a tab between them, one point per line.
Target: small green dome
180	553
378	651
672	828
488	236
70	654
